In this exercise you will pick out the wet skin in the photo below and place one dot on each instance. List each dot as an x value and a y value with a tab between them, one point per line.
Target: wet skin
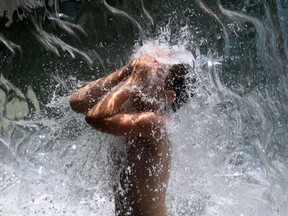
144	83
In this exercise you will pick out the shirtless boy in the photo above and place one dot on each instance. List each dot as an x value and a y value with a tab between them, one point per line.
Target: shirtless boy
149	89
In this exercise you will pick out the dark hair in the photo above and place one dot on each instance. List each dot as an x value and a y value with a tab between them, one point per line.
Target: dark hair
182	83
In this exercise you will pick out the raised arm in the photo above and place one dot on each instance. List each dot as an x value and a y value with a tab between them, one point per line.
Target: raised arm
106	116
86	97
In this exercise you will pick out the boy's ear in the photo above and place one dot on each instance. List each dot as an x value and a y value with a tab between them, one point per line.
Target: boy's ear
171	96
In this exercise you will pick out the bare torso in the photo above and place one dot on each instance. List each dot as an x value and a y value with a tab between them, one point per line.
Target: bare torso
131	102
144	178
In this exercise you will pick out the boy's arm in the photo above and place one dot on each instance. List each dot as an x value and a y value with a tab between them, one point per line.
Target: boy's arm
86	97
106	117
145	124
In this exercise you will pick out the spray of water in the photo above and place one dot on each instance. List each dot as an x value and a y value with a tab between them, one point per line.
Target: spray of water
229	145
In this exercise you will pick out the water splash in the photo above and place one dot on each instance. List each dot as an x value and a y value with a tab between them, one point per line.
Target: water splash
232	136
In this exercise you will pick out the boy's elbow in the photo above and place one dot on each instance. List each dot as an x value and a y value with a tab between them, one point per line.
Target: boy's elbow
89	119
93	121
73	103
98	124
76	105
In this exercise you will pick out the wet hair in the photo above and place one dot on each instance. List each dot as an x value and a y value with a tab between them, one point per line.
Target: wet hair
182	83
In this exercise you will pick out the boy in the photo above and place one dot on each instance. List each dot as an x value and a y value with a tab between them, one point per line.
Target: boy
132	102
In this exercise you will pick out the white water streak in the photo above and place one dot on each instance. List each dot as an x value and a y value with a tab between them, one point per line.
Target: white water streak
209	11
122	13
147	13
51	42
10	45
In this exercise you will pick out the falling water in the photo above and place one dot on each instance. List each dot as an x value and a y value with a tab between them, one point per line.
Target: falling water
229	142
